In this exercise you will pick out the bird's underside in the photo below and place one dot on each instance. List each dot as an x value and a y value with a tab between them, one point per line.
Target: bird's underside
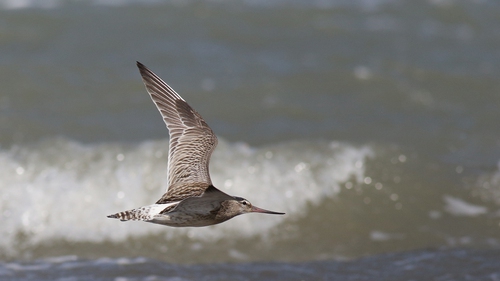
197	210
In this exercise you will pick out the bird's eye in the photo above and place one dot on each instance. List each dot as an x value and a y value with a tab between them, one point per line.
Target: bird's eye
244	202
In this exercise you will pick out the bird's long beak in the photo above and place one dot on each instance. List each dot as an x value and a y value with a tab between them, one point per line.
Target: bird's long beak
259	210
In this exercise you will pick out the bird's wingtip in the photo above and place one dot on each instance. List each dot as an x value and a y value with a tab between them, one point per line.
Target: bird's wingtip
140	65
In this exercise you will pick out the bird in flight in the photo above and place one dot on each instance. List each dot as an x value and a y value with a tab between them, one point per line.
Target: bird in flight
190	199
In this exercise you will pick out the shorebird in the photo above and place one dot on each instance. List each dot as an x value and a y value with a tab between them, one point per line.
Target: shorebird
191	199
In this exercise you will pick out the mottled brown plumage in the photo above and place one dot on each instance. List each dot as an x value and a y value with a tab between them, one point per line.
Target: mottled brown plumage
190	199
180	191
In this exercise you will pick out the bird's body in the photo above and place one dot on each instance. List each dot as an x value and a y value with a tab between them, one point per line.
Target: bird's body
191	199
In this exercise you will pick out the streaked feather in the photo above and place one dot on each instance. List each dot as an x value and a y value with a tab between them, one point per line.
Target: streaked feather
191	140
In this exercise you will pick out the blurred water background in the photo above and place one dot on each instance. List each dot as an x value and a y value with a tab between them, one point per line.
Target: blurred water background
374	124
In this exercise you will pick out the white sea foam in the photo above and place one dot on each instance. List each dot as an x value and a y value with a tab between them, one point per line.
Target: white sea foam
66	188
459	207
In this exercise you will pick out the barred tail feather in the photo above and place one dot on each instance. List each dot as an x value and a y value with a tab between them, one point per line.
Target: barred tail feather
145	213
125	215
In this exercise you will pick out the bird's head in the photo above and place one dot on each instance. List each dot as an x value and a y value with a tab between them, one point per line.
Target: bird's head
238	206
243	206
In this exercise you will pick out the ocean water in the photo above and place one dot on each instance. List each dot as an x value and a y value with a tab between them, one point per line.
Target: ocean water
372	124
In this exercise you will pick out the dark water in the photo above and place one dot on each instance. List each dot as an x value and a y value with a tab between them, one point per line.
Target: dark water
372	124
443	265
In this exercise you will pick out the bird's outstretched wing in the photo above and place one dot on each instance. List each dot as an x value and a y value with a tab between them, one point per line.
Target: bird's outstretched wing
191	139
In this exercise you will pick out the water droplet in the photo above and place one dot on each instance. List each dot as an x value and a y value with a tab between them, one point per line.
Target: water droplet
120	194
402	158
120	157
299	167
20	170
367	180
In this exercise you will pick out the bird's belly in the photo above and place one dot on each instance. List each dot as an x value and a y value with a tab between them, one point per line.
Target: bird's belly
180	219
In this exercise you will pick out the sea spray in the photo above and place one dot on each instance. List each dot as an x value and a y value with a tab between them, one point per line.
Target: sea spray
59	189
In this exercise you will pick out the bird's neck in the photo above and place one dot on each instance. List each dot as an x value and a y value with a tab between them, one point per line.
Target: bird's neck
225	212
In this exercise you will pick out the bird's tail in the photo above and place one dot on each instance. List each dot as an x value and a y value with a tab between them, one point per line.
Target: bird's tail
145	213
126	215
